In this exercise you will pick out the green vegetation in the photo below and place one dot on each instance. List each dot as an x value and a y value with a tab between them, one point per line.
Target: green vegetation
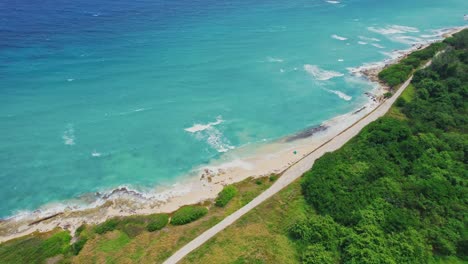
188	214
35	248
396	193
260	236
124	239
273	177
116	241
226	195
396	74
157	222
107	226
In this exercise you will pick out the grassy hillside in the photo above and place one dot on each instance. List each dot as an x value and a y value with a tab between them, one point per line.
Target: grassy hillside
135	239
396	193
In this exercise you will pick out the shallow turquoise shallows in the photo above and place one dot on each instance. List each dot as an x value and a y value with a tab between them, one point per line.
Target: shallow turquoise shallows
97	94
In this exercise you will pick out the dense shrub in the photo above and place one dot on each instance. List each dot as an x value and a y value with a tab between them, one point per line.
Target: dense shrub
108	225
317	254
226	195
157	222
396	193
188	214
396	74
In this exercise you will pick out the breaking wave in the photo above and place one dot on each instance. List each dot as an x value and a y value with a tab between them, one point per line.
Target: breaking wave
200	127
338	37
320	74
340	94
212	136
393	29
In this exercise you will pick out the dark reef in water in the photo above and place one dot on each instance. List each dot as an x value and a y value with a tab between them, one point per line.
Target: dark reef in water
307	133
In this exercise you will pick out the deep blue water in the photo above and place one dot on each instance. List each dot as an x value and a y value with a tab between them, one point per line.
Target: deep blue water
97	94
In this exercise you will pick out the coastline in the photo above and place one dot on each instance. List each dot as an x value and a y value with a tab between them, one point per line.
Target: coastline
270	158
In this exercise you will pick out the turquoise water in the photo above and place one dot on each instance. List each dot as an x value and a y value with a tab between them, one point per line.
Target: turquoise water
106	93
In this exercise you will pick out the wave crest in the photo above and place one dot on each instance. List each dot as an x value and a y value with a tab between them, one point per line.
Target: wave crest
200	127
320	74
393	29
340	94
338	37
211	135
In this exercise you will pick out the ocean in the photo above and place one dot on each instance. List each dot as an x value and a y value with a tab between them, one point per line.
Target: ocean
100	94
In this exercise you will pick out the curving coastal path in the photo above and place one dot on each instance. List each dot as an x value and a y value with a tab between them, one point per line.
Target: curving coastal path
292	173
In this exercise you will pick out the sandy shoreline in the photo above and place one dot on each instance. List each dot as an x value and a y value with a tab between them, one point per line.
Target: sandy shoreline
266	159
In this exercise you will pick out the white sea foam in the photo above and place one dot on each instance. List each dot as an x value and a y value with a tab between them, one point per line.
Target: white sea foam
340	60
282	70
333	2
320	74
369	39
377	45
272	59
133	111
217	141
96	154
201	127
407	39
393	29
340	94
338	37
211	135
70	80
362	43
69	135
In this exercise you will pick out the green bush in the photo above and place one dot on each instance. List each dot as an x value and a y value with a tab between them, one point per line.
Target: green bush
317	254
226	195
157	222
188	214
395	74
109	225
273	177
387	95
78	245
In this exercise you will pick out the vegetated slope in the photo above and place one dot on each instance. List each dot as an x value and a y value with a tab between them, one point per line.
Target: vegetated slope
396	193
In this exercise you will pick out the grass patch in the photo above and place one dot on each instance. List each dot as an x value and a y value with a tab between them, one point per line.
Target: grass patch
116	241
260	236
408	94
35	248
